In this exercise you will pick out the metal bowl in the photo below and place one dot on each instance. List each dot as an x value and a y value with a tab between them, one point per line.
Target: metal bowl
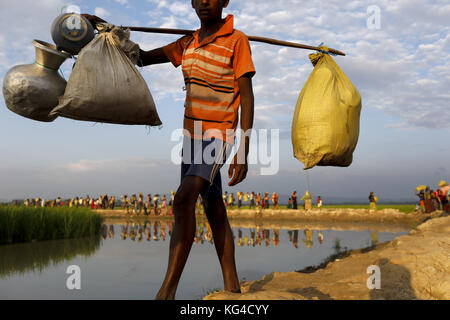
71	32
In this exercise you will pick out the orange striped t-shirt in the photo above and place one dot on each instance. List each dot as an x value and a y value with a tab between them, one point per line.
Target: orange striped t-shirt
211	70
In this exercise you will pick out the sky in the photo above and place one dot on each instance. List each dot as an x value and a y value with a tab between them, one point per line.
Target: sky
397	56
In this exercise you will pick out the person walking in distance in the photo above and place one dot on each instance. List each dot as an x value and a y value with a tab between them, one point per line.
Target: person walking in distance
252	200
294	200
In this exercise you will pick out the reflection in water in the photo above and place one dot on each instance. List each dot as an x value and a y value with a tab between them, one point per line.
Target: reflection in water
138	231
374	238
158	230
36	256
251	237
118	258
320	237
111	231
276	237
308	241
295	240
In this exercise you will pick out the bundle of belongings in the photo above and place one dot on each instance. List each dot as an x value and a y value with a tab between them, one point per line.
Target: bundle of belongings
325	127
105	85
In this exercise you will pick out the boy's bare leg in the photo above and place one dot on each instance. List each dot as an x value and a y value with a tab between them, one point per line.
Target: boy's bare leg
183	233
223	240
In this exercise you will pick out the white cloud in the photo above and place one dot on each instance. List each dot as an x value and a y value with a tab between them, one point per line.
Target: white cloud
87	165
101	12
180	8
22	22
169	22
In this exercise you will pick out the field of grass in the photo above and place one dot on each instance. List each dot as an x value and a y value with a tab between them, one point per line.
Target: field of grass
24	224
406	208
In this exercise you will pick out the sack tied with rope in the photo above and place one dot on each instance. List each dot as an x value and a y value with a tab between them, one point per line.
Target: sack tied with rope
325	128
105	85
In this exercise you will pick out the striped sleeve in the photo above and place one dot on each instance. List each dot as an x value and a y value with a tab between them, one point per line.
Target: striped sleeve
174	51
242	60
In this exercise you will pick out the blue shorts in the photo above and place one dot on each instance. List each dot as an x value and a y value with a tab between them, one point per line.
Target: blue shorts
203	158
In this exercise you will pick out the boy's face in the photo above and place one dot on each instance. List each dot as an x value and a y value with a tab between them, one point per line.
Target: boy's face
209	10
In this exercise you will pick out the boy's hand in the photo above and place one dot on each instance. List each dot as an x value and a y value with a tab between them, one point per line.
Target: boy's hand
93	19
240	171
240	165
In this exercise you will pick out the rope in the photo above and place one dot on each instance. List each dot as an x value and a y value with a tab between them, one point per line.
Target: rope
325	52
308	184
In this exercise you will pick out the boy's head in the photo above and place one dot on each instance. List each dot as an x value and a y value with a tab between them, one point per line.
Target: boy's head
209	11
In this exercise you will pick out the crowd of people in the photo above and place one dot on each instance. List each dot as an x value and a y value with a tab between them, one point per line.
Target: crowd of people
136	204
431	200
102	202
266	201
161	205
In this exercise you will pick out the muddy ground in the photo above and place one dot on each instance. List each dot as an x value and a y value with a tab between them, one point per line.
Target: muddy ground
413	266
289	217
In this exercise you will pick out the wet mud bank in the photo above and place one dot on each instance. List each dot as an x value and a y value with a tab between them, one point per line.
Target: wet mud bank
330	215
413	266
390	216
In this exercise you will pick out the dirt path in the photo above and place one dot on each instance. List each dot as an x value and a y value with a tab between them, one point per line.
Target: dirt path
414	266
390	216
330	215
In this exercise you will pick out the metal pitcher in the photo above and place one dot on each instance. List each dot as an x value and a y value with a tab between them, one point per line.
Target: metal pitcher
32	90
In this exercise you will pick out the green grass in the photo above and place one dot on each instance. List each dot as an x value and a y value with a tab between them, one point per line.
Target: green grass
24	224
405	208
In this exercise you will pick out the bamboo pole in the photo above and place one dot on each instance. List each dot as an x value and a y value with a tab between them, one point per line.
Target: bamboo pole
251	38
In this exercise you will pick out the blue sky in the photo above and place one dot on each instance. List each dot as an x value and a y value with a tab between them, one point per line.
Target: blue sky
401	69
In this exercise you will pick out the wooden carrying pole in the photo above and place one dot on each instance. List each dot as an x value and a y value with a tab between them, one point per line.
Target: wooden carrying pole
251	38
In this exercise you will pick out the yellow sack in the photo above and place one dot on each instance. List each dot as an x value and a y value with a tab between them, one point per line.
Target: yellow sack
325	127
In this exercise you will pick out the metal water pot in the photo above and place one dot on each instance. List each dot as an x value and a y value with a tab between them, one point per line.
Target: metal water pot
33	90
71	32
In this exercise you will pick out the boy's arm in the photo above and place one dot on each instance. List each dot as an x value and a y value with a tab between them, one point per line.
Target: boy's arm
154	56
146	57
239	165
172	52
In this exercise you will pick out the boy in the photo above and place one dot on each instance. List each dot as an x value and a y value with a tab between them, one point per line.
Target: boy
217	69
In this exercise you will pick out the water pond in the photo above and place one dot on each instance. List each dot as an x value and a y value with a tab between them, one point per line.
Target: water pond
128	260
